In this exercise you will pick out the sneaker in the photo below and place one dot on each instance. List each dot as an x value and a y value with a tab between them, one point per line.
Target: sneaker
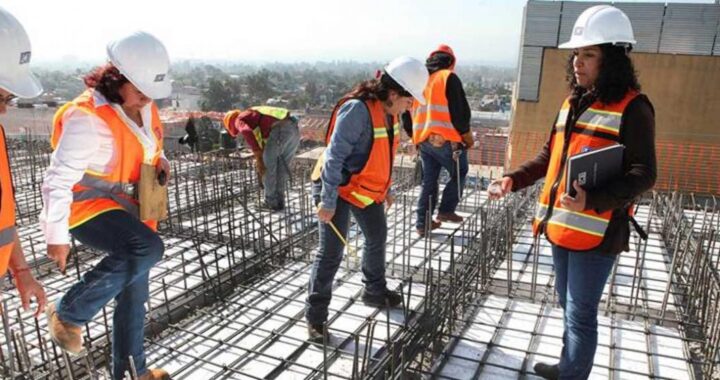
155	374
388	298
65	335
547	371
315	333
449	217
434	225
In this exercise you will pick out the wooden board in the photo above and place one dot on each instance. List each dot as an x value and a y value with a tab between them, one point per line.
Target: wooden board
152	196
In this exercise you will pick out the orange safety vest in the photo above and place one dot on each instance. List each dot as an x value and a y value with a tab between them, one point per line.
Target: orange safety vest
113	189
597	127
7	207
373	181
434	117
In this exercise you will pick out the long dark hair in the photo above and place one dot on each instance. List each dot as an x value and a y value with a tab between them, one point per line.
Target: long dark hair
376	89
617	74
107	80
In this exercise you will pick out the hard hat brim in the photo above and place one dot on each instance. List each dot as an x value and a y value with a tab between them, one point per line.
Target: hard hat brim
159	90
156	91
420	98
27	86
578	44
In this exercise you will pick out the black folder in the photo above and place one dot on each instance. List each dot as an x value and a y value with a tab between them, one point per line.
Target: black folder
594	168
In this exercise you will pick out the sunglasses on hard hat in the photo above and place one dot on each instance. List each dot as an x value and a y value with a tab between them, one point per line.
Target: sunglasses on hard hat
7	99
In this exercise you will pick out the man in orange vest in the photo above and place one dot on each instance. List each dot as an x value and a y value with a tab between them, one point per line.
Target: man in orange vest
441	131
15	80
588	230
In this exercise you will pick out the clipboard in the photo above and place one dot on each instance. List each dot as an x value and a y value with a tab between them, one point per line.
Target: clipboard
152	195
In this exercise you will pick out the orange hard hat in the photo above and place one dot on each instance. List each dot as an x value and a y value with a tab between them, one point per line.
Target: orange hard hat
229	121
442	48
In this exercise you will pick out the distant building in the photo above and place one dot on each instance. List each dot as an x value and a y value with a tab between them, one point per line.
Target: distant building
677	56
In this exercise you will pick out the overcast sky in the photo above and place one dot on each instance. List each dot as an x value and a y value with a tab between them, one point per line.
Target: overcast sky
480	31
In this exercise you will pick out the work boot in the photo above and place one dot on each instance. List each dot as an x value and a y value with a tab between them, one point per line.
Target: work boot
315	333
270	207
433	226
155	374
547	371
449	217
65	335
387	298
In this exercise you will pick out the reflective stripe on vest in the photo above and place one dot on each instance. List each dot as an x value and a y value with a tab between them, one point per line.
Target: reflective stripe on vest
97	193
573	220
370	185
434	117
597	127
7	206
275	112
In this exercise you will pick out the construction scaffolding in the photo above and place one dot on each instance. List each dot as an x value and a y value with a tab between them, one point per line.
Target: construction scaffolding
227	301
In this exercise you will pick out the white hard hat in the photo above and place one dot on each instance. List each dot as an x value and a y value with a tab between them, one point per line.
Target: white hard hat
411	74
601	24
15	52
143	60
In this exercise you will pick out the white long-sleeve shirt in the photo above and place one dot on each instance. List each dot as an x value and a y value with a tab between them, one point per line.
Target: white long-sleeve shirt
86	144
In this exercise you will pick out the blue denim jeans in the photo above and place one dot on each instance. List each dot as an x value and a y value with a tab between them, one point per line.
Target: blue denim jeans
579	280
132	249
373	225
433	160
282	144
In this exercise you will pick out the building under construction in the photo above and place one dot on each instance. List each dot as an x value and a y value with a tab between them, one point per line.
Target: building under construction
227	300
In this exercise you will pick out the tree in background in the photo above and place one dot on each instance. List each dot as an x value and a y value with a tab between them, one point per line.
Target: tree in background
259	87
221	95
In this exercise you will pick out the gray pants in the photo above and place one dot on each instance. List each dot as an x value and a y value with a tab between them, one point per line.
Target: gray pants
278	154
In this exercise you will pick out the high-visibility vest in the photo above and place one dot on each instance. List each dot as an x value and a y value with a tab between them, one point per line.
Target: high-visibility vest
7	206
597	127
373	181
434	117
110	188
276	112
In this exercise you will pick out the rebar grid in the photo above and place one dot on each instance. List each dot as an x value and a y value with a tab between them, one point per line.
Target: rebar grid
227	301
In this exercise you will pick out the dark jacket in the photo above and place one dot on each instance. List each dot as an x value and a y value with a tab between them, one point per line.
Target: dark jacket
637	133
457	101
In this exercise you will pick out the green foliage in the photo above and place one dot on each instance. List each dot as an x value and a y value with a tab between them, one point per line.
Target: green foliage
220	95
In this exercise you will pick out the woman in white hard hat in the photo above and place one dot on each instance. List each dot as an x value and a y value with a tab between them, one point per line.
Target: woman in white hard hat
100	140
362	139
588	230
15	80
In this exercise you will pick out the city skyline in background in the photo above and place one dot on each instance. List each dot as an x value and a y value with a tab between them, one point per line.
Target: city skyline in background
483	32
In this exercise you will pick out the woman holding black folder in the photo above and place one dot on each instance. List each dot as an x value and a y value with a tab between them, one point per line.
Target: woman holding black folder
588	230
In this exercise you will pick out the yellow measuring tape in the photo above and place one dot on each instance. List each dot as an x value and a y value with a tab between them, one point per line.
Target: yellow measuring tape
350	249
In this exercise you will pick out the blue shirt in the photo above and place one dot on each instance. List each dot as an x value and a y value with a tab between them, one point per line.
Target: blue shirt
348	150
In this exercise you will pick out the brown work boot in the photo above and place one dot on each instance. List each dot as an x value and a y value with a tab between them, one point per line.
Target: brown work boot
315	333
434	225
449	217
155	374
65	335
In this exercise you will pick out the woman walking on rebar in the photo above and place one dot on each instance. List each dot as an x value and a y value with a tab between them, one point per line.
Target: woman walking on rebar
15	80
362	139
589	229
101	140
